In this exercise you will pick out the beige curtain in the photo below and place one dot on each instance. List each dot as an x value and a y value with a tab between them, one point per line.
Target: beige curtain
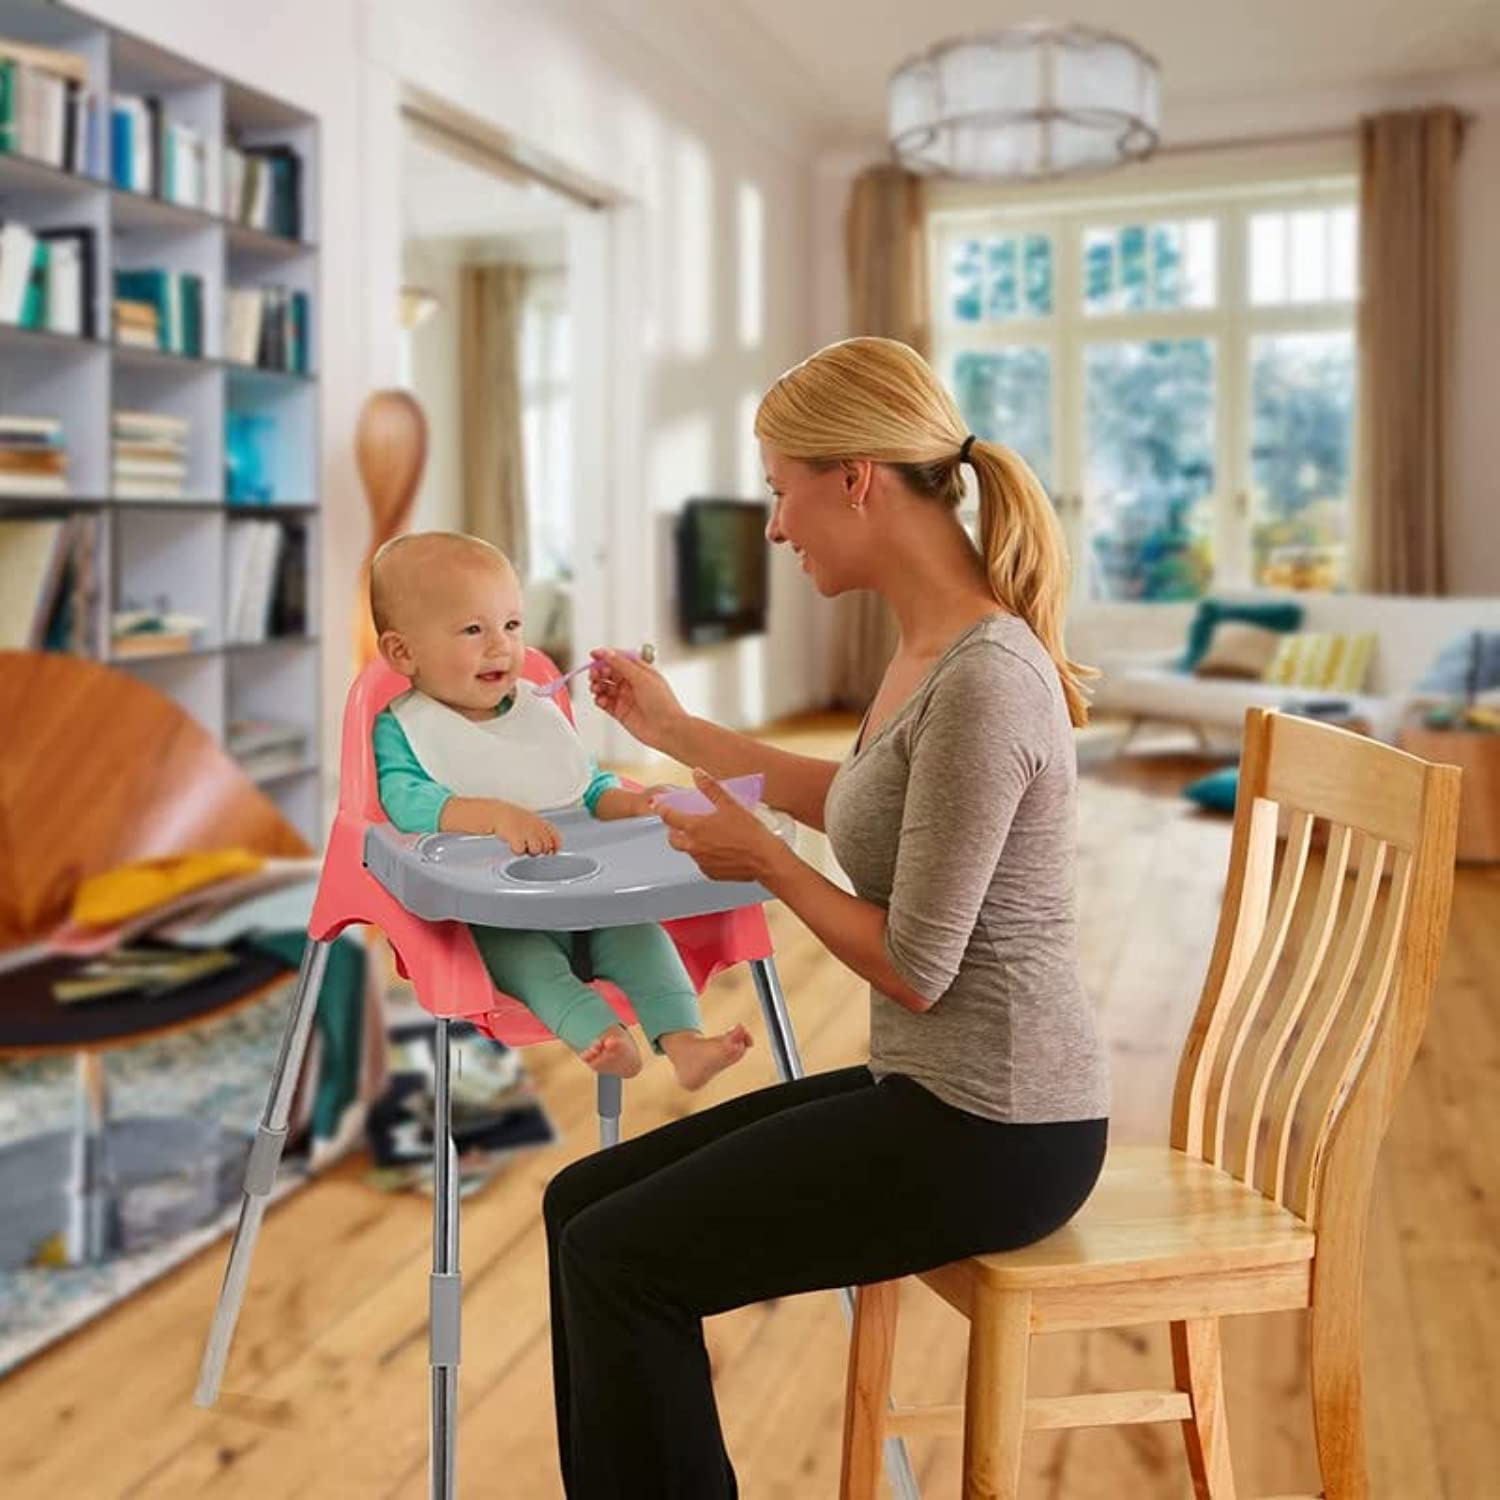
1407	205
489	363
886	242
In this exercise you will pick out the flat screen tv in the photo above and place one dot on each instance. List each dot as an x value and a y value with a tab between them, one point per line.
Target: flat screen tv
721	569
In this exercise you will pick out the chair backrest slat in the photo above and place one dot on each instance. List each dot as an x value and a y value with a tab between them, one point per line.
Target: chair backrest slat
1321	955
1321	1001
1340	1064
1242	920
1244	1006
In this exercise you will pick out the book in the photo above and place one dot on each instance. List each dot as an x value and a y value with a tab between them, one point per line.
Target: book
34	309
14	429
288	615
251	564
40	463
149	424
141	971
71	293
33	553
17	256
263	188
153	643
244	737
177	300
149	632
267	327
68	65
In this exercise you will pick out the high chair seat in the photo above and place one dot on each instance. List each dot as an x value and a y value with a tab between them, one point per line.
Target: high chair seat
1155	1212
440	958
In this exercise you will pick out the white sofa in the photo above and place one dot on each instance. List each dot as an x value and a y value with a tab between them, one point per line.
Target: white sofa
1137	647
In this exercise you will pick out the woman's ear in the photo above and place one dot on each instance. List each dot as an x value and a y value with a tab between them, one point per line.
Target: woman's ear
858	473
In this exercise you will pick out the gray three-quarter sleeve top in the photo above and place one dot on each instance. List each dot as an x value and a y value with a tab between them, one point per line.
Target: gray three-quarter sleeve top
959	817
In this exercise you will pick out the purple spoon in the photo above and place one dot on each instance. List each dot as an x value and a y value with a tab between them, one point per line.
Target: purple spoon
647	654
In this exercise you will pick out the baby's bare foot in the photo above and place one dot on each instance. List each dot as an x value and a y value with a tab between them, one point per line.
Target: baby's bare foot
613	1053
696	1058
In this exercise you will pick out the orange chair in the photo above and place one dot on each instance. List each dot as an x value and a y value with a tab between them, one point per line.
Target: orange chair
450	980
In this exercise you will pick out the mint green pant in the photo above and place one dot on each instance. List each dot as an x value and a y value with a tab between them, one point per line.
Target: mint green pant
536	967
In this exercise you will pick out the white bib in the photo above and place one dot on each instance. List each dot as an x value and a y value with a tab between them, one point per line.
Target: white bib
529	755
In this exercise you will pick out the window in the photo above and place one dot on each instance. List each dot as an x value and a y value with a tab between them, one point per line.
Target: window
1180	374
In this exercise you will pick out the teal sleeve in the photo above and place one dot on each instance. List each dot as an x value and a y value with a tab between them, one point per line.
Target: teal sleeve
412	800
600	782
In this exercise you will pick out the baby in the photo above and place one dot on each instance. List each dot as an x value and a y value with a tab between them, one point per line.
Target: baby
472	749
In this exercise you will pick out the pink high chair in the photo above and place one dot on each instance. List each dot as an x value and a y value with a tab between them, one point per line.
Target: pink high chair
450	980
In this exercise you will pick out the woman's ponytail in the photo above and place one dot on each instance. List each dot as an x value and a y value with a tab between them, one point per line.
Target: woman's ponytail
1026	558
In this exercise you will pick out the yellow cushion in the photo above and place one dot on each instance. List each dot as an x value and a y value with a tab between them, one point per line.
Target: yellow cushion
1313	659
117	895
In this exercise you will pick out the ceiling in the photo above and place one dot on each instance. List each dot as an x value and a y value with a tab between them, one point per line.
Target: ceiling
842	51
444	197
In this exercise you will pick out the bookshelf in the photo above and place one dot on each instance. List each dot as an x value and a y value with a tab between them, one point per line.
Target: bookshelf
219	225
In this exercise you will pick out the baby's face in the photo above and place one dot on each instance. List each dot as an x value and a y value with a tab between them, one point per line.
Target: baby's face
463	638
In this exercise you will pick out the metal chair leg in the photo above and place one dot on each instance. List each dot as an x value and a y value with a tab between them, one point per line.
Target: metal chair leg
610	1091
446	1284
789	1066
260	1170
778	1021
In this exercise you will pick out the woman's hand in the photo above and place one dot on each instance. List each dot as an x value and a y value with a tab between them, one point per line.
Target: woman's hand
730	843
636	696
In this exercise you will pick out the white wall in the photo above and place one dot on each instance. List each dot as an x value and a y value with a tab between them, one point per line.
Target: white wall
645	99
1474	535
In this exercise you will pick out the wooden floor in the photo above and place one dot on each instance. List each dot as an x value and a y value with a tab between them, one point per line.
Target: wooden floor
327	1388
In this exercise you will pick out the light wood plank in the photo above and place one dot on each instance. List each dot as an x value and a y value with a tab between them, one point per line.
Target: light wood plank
1106	1409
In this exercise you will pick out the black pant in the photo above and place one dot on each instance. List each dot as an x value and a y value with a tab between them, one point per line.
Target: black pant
829	1181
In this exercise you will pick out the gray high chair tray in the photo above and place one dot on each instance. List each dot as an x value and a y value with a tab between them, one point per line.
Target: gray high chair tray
607	874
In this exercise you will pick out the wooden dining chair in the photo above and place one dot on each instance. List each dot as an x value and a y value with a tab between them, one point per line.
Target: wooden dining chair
1315	1000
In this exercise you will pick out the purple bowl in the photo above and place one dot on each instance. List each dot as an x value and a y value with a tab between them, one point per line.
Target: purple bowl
746	790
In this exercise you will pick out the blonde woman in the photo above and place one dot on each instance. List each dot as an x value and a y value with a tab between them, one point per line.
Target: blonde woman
980	1122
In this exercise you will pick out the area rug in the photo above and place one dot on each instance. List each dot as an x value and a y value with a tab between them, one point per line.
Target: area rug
218	1070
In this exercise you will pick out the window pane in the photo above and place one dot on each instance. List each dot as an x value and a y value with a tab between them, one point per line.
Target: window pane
1132	267
1267	259
1302	388
1166	265
1150	267
966	282
1006	397
1003	280
1201	264
1098	270
1309	255
1149	467
1001	277
1038	275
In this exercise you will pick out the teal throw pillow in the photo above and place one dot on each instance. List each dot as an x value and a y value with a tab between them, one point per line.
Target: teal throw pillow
1216	791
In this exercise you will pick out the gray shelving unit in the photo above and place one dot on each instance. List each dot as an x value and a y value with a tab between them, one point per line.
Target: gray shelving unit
178	549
